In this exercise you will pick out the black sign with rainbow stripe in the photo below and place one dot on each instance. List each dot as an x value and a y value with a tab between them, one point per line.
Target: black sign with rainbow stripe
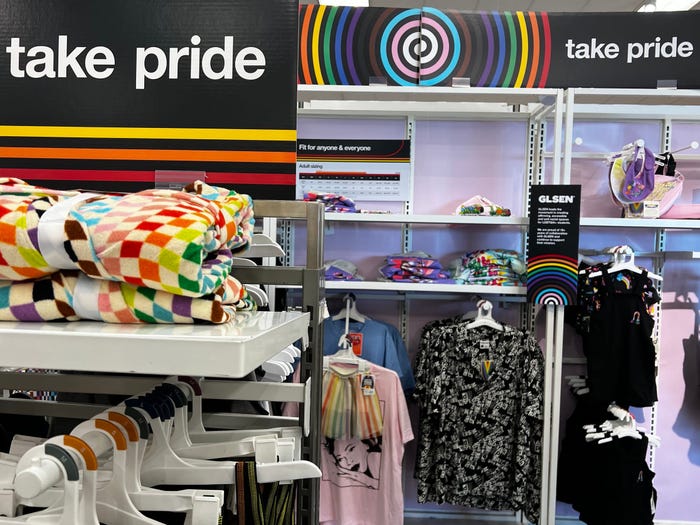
521	49
101	95
552	257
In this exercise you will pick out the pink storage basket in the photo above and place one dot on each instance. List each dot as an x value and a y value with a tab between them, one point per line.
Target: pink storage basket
666	191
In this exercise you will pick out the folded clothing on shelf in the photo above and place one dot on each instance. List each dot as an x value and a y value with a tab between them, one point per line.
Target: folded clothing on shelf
494	267
480	205
341	270
416	267
71	295
178	241
332	201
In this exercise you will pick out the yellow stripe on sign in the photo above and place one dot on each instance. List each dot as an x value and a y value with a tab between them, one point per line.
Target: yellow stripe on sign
315	45
524	53
81	132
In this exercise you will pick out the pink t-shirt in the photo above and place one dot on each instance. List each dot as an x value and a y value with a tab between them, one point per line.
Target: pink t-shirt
361	481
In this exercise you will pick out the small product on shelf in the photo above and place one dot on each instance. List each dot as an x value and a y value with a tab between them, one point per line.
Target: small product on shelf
332	201
341	270
480	205
493	267
414	267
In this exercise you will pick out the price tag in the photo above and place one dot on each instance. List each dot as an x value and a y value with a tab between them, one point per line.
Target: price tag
356	343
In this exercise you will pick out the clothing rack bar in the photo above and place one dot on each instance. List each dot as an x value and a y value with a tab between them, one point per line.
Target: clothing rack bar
50	408
109	384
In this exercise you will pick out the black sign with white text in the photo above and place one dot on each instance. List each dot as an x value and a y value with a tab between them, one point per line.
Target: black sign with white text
103	94
552	265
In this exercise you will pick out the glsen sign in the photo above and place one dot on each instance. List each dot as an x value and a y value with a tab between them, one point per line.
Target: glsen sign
103	94
552	256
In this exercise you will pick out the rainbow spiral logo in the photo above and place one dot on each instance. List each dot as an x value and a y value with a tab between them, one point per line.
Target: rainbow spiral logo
441	47
346	45
552	279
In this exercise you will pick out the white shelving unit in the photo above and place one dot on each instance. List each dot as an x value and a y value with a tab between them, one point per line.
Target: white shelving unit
426	219
230	350
662	106
225	352
533	106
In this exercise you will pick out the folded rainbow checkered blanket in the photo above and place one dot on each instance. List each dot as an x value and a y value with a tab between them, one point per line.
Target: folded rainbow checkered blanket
70	296
181	242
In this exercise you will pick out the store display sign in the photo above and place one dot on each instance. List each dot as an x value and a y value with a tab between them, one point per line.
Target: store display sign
523	49
102	95
552	264
375	170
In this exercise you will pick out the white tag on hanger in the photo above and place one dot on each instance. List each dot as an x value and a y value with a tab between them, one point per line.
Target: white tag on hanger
367	382
484	345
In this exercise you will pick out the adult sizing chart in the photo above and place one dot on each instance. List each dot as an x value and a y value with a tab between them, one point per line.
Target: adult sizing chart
371	169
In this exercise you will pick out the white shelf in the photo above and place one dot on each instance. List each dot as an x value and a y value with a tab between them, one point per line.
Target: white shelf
646	97
386	286
306	93
426	219
422	101
232	350
669	224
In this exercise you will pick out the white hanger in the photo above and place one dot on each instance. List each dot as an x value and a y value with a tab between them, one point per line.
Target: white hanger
195	425
627	150
41	488
258	294
287	355
240	262
483	316
114	506
271	469
350	310
623	259
263	246
162	466
183	446
278	367
40	468
624	426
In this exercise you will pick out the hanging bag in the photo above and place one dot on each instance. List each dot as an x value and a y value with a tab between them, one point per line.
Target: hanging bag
639	175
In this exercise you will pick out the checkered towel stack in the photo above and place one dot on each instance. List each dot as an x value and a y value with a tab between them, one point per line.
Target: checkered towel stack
156	256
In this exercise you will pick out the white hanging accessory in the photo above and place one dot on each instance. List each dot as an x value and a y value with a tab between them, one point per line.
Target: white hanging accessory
484	317
623	259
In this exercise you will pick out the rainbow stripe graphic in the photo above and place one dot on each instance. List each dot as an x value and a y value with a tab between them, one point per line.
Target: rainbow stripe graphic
552	279
347	46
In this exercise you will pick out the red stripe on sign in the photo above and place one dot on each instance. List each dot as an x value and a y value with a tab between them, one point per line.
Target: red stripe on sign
267	179
252	178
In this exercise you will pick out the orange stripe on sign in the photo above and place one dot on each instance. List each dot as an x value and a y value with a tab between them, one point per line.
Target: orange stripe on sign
149	154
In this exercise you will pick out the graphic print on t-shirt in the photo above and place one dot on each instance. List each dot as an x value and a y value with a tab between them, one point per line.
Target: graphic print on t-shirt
353	462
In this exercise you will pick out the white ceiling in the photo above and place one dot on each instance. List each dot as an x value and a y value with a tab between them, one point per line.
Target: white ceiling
552	6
